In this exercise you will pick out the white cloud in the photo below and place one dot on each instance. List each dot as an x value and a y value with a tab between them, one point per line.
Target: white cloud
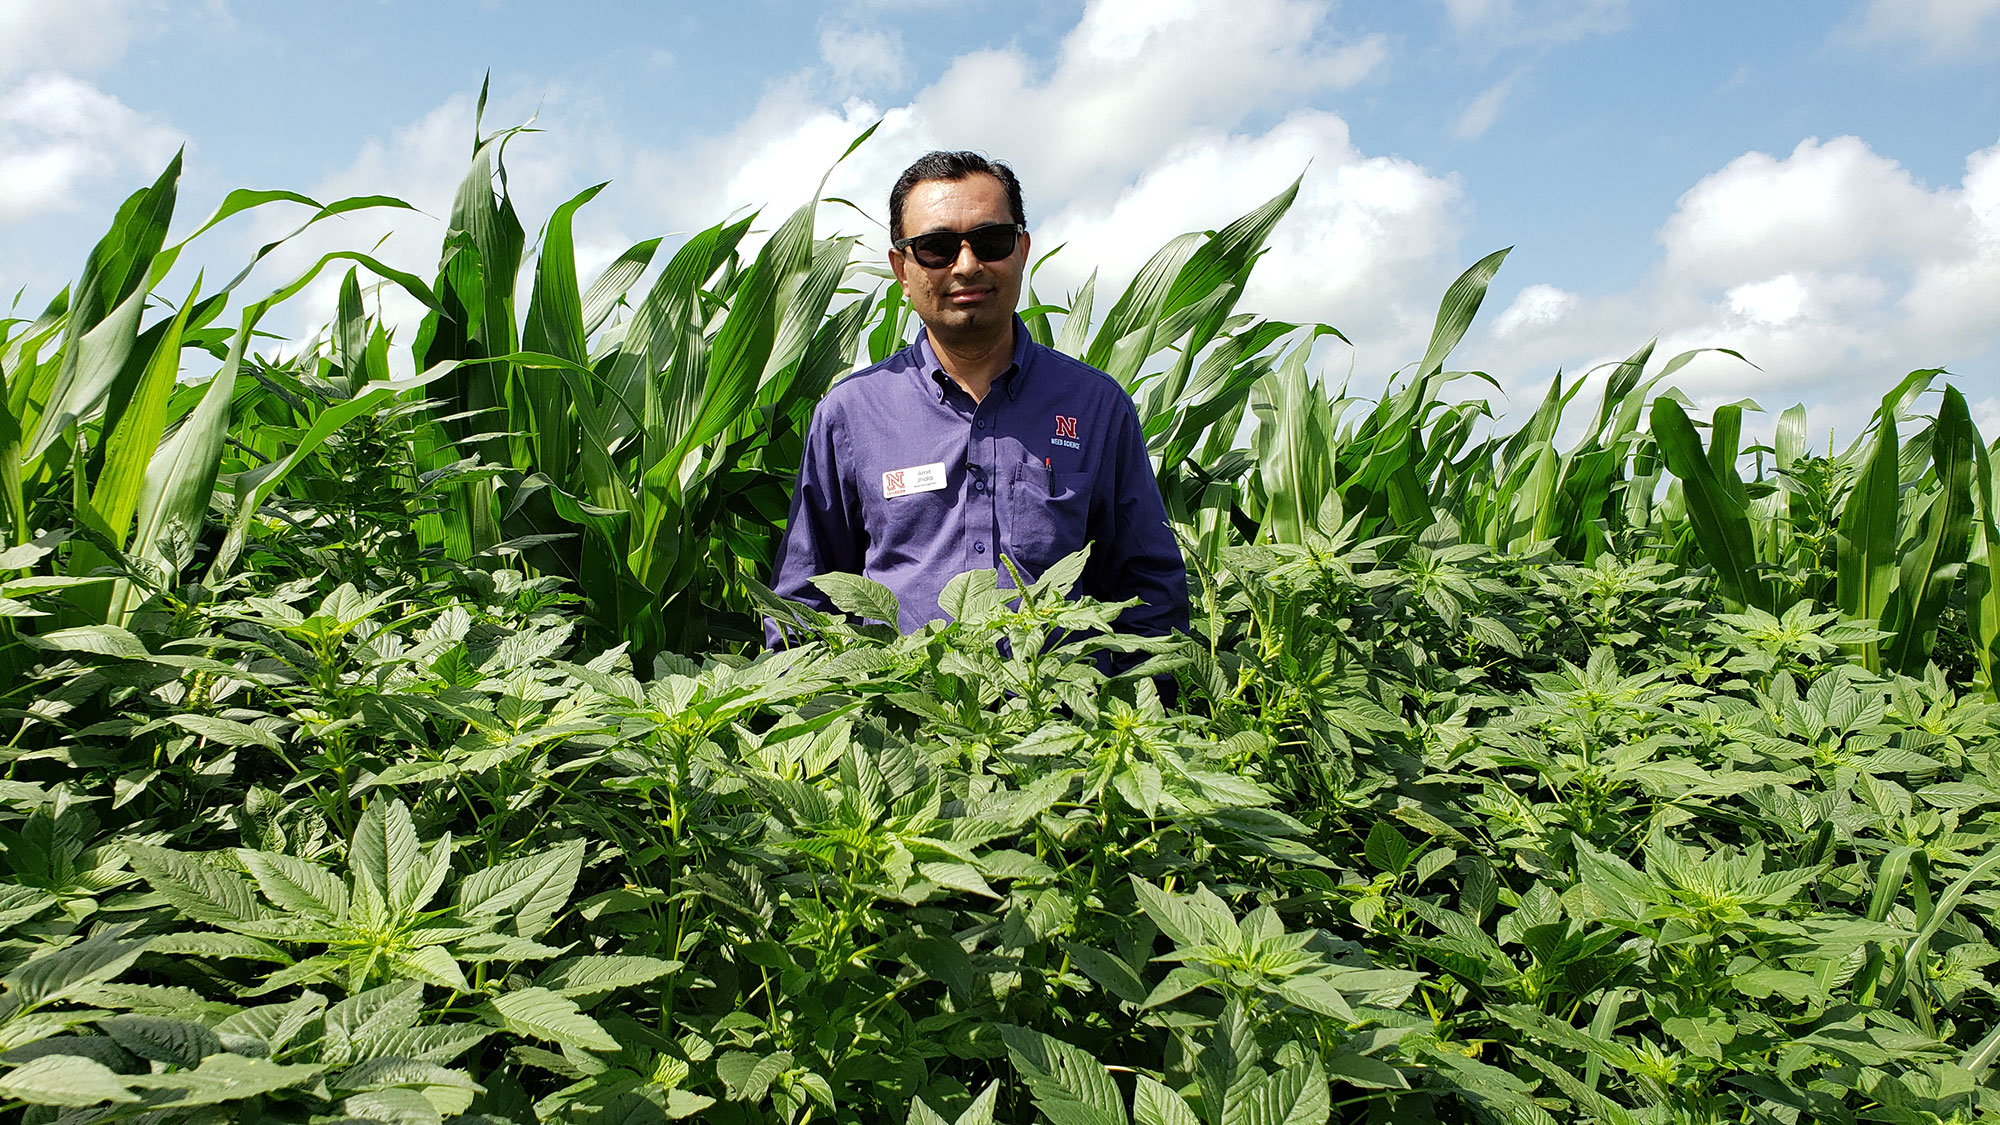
1367	245
44	35
1133	133
1777	301
1822	206
59	135
1534	309
1127	85
1832	269
1946	27
1484	110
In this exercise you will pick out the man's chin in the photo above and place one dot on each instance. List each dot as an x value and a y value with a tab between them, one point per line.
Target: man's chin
971	322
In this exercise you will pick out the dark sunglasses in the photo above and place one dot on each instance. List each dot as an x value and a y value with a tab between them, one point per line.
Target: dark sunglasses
939	248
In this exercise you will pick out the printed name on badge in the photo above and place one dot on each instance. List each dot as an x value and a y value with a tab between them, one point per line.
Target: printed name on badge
917	478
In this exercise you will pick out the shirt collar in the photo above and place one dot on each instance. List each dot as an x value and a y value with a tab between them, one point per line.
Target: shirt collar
1011	379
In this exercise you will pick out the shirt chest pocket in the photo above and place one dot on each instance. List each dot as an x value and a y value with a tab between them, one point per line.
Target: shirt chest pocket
1050	514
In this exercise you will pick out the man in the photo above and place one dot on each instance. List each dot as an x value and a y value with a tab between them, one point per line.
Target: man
976	442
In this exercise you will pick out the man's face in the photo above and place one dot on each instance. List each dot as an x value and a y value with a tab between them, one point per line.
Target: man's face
968	299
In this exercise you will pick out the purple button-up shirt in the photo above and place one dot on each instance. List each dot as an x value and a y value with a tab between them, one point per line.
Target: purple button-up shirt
907	481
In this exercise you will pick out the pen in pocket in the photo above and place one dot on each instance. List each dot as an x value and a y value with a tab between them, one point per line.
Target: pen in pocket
1051	467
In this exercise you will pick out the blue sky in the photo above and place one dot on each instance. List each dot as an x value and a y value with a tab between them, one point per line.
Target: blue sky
1814	184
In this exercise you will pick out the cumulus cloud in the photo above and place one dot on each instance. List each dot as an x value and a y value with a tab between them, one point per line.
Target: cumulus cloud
1945	27
1537	308
1824	206
59	134
1134	132
1832	269
1131	81
1367	244
44	35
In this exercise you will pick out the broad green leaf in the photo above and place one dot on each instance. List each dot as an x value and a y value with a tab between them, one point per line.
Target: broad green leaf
548	1016
177	1042
358	1025
225	732
1175	916
1707	1036
52	976
858	596
1386	848
433	965
972	598
1057	1073
226	1077
383	850
1364	1071
958	877
1317	994
218	945
749	1076
274	1025
98	1048
445	1091
65	1080
1178	983
97	640
532	888
980	1112
1111	972
394	1103
1154	1104
438	1043
600	973
199	890
1292	1096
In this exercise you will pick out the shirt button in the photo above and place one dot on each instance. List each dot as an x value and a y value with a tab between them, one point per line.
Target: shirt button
982	423
979	548
979	486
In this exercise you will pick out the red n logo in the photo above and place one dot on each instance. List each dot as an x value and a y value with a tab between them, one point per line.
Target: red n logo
1065	427
892	482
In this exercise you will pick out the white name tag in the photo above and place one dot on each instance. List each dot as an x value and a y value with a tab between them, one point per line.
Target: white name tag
917	478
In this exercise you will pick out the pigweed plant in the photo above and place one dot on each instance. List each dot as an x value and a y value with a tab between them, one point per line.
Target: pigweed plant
387	749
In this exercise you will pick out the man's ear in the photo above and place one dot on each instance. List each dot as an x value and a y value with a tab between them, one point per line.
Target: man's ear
1026	248
897	264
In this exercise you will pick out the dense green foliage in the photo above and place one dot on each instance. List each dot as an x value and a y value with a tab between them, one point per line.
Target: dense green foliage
378	749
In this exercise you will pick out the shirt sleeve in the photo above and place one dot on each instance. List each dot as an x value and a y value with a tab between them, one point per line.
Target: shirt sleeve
823	532
1138	556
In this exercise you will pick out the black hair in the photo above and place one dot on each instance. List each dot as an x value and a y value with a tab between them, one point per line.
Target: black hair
952	166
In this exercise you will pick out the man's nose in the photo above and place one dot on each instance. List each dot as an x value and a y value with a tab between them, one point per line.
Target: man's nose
966	262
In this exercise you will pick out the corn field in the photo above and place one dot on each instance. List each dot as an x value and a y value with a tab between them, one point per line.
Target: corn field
399	748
